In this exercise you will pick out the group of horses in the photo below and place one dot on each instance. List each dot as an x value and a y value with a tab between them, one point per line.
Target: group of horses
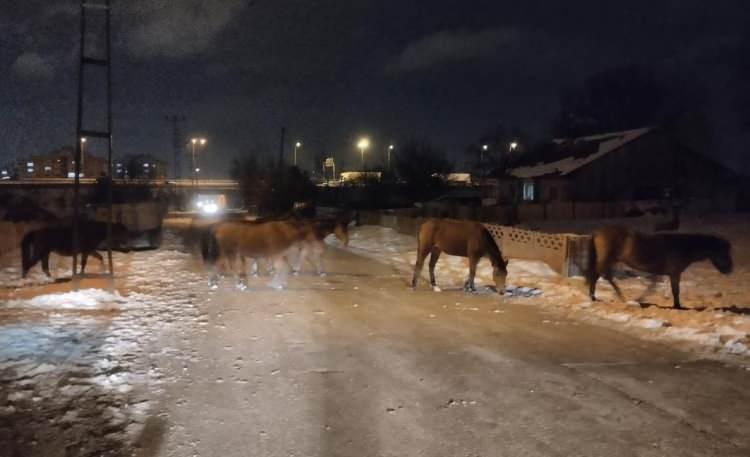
660	254
289	241
282	242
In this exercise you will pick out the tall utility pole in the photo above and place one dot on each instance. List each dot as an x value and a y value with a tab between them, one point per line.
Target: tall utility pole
281	146
177	142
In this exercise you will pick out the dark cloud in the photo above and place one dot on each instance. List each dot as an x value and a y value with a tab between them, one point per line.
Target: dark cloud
450	46
169	28
31	65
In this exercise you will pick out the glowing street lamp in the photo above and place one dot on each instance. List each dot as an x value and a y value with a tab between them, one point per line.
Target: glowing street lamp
513	145
193	142
297	145
363	144
83	152
390	149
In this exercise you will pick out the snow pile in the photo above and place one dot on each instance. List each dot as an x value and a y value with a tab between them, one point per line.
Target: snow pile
87	299
719	318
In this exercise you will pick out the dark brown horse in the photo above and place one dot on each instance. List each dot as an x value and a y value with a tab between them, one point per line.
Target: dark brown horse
460	238
38	244
667	254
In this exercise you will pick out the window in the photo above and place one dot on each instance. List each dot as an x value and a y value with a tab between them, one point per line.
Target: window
47	168
29	164
528	190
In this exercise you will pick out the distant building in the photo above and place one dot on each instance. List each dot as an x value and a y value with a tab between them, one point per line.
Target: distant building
60	164
360	176
639	164
140	166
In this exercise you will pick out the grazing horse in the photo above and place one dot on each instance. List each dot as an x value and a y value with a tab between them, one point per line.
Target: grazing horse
460	238
659	254
313	245
37	244
230	240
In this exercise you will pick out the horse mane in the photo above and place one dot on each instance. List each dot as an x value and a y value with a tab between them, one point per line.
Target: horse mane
493	252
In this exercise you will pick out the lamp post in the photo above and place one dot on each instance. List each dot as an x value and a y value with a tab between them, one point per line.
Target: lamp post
83	154
512	146
390	149
193	142
363	144
484	149
297	145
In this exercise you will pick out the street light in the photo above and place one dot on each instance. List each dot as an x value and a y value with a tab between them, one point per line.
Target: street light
83	153
363	144
193	142
513	145
481	154
390	148
297	145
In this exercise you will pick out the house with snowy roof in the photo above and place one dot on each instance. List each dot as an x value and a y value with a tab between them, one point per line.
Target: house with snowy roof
638	164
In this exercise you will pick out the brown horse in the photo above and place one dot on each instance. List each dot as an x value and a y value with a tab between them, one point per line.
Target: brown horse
233	240
39	244
460	238
667	254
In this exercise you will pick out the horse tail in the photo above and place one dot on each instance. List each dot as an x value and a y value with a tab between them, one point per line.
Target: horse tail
209	247
27	252
590	269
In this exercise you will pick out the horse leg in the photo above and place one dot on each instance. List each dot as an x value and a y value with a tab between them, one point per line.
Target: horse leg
608	276
469	284
255	271
653	280
84	258
421	254
674	279
95	254
45	265
434	256
242	274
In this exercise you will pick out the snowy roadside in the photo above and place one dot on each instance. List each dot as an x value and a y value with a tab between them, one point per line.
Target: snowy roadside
77	367
718	321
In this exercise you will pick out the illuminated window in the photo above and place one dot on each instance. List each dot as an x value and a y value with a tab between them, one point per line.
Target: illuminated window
29	164
47	168
528	190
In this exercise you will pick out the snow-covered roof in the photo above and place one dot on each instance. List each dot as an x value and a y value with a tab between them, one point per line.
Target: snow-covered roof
608	142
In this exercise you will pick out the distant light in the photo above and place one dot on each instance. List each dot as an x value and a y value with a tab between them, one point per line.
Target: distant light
484	147
391	147
4	172
72	174
210	208
513	145
203	141
194	140
363	143
145	165
197	170
29	164
298	144
47	168
30	170
83	139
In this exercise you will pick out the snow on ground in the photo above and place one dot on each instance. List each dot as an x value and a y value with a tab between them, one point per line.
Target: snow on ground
718	321
75	365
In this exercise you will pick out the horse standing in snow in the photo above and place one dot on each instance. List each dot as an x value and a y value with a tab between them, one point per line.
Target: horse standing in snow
667	254
460	238
38	244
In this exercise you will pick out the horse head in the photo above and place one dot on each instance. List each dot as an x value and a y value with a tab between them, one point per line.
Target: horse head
500	274
721	256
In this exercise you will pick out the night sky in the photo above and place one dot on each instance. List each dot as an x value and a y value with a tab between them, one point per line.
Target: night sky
331	71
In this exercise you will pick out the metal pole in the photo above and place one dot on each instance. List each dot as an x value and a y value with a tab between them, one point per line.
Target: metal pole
362	153
192	144
77	162
109	140
281	146
295	155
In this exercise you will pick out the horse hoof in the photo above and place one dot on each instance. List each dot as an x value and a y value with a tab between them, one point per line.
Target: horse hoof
241	286
322	274
213	286
436	289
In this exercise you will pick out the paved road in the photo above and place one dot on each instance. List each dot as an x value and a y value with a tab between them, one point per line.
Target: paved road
356	364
